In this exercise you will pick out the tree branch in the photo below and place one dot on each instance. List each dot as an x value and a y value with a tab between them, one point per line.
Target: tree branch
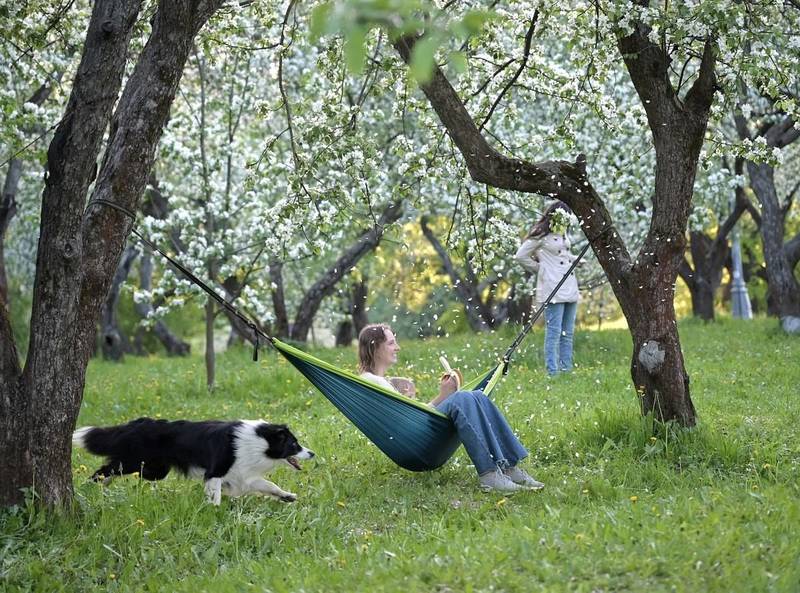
526	54
326	284
701	95
557	179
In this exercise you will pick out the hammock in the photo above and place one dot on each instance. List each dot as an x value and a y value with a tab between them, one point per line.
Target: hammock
413	435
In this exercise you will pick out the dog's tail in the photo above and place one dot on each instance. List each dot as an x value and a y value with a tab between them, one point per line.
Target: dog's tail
110	440
80	437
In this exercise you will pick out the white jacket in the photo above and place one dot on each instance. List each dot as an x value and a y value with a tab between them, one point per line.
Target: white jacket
551	258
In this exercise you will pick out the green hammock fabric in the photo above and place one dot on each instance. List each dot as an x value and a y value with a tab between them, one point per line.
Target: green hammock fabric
413	435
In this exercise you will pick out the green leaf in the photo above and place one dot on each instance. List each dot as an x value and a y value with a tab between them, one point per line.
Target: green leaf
422	58
459	61
320	20
473	20
354	49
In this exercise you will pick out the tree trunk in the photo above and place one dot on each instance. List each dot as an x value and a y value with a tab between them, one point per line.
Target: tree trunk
355	307
344	333
172	343
645	286
479	316
79	250
327	283
784	290
113	342
281	326
360	292
40	413
8	208
210	355
701	280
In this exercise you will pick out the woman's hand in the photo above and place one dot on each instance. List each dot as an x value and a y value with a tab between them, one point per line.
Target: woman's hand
404	386
448	386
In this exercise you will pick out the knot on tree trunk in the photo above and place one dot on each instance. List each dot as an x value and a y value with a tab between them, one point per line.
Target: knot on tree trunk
791	324
651	356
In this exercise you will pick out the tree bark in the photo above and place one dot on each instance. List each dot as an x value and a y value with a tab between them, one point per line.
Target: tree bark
644	287
326	284
784	290
114	343
172	343
355	307
8	209
709	256
79	251
783	297
210	356
360	291
281	326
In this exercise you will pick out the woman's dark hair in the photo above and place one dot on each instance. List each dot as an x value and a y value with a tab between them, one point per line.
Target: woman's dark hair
369	340
542	227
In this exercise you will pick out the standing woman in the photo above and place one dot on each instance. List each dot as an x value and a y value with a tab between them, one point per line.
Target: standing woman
545	250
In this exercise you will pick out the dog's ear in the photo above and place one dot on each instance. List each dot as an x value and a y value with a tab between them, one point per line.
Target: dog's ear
281	441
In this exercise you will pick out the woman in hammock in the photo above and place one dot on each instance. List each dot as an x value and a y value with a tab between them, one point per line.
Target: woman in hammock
484	432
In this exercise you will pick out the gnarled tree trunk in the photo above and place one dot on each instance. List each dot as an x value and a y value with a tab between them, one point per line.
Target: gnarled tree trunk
644	286
784	290
79	251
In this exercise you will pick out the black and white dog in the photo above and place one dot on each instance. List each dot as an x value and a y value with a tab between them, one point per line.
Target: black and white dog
231	457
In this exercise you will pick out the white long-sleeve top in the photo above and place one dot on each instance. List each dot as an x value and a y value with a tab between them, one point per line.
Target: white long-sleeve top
550	258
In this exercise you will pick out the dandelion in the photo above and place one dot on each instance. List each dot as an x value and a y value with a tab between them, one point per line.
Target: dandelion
340	503
140	522
634	498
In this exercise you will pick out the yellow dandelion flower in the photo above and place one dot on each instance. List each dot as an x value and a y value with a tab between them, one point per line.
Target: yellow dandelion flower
634	498
140	522
340	503
501	502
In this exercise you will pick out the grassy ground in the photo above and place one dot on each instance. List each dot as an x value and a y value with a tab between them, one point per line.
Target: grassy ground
713	509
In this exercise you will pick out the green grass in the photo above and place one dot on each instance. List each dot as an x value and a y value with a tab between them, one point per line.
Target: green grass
625	508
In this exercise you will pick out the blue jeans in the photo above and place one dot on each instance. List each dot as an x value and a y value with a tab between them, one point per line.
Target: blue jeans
558	330
483	430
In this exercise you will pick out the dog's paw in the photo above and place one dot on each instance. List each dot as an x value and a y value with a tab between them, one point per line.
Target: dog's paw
287	497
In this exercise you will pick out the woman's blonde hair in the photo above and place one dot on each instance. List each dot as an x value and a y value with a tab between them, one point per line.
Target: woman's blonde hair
369	340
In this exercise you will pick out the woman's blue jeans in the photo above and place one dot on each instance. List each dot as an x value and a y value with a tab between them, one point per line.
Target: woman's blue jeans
558	330
483	430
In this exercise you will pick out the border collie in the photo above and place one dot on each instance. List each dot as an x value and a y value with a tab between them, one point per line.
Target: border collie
231	456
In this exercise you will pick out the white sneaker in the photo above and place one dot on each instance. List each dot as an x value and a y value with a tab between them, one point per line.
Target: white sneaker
496	480
521	477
